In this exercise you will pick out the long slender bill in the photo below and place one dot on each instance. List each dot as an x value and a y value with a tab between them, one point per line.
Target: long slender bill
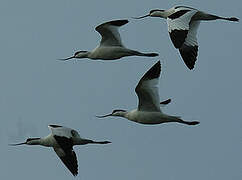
141	17
104	116
64	59
17	144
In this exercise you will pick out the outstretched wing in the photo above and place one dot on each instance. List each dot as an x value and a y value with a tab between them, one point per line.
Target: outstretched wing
110	34
178	25
183	33
63	131
189	49
63	137
147	90
68	157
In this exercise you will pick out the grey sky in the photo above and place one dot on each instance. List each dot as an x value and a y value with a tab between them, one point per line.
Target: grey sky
37	90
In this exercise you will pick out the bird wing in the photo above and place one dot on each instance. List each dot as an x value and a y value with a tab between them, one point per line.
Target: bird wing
110	34
68	157
178	25
189	49
165	102
66	153
147	90
63	131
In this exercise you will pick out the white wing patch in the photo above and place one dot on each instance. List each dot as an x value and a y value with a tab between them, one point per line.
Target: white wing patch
181	23
191	39
110	33
148	95
64	132
147	90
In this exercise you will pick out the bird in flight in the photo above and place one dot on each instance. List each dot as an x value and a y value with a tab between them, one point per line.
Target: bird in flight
111	46
183	23
148	111
62	139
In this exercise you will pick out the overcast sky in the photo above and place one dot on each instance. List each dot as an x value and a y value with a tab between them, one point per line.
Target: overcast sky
37	90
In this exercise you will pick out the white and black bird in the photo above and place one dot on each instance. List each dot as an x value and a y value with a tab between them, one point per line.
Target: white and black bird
111	46
148	111
182	24
62	139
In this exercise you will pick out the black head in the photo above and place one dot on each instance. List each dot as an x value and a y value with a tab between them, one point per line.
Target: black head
30	139
54	126
118	110
79	52
115	112
155	10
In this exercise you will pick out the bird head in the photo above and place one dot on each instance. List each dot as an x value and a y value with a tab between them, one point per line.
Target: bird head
78	54
116	112
153	13
29	141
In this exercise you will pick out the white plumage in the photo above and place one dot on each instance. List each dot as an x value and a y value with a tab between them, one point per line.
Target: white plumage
183	23
111	46
62	139
148	111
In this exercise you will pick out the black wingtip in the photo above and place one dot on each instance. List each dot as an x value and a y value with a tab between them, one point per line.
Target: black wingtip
166	101
75	174
153	72
120	22
54	126
189	55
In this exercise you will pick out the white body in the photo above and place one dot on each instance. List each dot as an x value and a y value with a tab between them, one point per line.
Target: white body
62	139
148	111
111	46
183	23
110	53
144	117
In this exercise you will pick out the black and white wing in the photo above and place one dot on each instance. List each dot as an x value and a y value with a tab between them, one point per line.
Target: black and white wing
110	34
147	90
66	153
63	131
189	49
183	33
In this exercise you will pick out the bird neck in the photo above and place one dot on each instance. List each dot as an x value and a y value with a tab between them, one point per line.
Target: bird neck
35	141
162	14
121	114
45	141
168	12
